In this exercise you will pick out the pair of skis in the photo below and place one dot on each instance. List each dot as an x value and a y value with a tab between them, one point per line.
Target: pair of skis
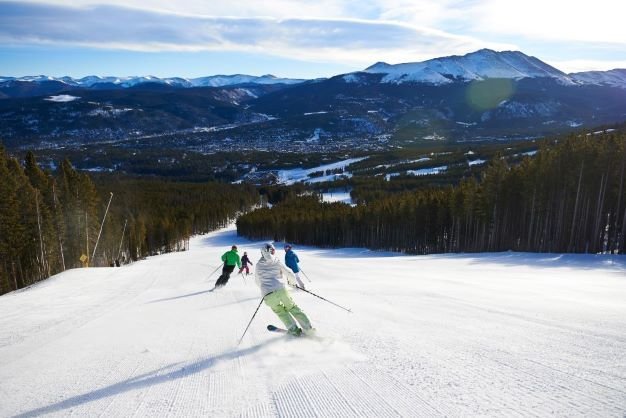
273	328
276	329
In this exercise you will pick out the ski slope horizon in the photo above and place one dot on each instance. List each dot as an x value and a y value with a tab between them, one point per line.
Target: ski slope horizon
489	334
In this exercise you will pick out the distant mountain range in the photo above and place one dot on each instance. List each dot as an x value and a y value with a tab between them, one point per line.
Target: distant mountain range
42	84
481	96
479	65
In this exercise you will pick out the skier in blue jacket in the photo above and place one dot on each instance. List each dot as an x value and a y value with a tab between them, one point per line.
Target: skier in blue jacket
291	261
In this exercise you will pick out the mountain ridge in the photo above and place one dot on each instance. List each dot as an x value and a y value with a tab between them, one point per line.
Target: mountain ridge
219	80
478	65
466	98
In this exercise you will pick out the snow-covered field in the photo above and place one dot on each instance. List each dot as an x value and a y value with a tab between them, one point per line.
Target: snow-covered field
343	197
302	175
500	335
62	98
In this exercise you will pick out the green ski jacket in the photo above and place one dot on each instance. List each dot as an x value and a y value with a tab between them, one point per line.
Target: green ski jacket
231	258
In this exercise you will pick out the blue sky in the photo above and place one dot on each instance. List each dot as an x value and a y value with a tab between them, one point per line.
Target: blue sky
297	38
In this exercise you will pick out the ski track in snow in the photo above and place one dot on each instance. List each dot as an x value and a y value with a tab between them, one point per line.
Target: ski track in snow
452	335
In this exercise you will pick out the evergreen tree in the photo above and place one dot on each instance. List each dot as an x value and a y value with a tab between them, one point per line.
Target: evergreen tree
11	229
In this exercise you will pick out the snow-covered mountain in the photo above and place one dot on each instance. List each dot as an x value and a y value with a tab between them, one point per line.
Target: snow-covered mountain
228	80
612	78
404	102
478	65
93	80
491	335
131	81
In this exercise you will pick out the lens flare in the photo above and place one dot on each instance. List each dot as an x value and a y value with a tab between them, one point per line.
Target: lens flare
487	94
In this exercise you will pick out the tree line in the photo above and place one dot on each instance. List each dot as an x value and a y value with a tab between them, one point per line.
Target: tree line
570	197
50	223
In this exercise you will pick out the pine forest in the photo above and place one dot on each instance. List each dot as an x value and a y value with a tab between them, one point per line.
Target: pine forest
52	223
570	197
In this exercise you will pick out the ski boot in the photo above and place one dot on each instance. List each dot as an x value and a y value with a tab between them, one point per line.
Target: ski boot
295	331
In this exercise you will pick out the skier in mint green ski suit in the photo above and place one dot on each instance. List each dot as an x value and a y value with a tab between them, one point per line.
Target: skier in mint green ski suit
268	275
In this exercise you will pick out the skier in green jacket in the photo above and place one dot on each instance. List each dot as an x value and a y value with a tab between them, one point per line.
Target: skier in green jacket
230	259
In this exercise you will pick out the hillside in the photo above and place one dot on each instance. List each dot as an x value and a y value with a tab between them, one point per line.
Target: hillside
459	335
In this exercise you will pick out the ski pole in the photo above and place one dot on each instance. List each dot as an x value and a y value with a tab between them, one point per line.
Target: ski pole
217	268
257	310
339	306
307	277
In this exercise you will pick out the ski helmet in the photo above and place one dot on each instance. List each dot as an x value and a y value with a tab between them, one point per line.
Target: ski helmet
267	250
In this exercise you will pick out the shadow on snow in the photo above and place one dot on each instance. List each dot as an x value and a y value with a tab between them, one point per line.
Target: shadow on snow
228	237
541	260
154	377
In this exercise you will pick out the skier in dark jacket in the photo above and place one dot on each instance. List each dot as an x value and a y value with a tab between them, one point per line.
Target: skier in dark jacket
292	260
230	259
244	263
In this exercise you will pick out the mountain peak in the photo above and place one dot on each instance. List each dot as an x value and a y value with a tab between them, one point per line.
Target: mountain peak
483	51
479	65
378	66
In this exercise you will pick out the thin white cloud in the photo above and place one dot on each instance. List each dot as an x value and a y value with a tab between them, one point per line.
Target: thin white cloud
590	21
240	8
556	20
596	21
356	41
431	13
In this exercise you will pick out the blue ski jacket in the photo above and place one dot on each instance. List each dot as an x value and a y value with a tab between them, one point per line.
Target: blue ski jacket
291	260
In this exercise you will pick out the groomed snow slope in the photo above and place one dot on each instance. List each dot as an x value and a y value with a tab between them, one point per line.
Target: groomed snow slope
502	334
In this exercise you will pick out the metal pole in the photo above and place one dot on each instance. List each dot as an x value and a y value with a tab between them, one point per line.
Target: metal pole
101	226
339	306
43	260
122	239
307	277
87	234
257	309
217	268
